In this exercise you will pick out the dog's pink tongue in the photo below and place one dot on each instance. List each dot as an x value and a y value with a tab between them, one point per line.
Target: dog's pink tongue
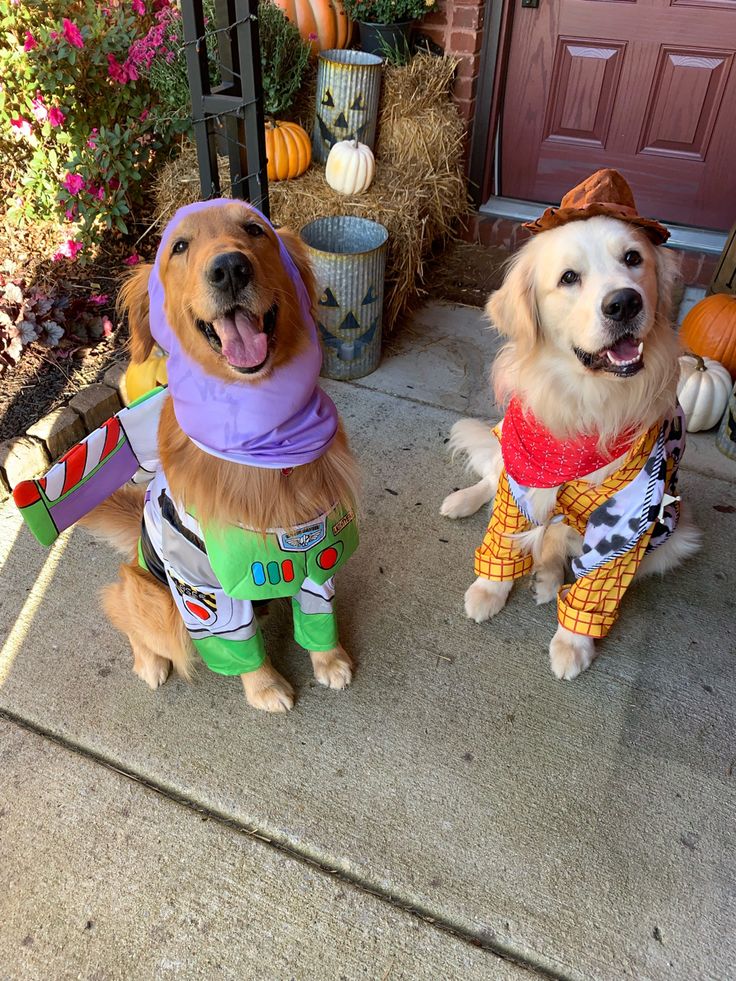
244	345
627	349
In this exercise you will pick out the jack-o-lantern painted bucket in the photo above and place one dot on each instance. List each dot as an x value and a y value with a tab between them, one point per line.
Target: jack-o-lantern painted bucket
349	259
726	435
348	88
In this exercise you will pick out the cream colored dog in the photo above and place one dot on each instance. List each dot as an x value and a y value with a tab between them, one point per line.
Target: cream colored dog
586	308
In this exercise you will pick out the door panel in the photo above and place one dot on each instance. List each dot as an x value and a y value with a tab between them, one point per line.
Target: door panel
645	86
583	90
684	102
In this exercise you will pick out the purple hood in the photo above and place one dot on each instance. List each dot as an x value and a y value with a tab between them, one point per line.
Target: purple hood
283	421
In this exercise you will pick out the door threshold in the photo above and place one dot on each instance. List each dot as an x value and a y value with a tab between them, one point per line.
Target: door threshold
681	236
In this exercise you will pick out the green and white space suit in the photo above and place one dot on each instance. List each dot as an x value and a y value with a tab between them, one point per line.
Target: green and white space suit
215	576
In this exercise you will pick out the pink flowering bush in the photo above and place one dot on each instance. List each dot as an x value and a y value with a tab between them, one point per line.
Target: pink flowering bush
78	119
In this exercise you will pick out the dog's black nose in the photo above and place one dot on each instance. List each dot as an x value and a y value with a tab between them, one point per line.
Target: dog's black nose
621	305
230	272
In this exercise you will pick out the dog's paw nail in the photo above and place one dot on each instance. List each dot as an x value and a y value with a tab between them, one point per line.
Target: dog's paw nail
545	590
333	669
273	698
482	602
337	676
569	657
154	673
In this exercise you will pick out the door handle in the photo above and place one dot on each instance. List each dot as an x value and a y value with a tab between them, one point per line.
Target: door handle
529	3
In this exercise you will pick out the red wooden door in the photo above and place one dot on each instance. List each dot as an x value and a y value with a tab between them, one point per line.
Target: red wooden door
645	86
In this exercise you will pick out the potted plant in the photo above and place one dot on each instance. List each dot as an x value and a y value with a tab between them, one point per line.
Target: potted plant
385	25
284	59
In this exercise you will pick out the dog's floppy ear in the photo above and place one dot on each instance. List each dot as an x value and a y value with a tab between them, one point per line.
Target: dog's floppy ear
298	252
513	308
133	301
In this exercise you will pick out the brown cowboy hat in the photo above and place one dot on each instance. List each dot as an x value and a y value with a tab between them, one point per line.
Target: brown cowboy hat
605	192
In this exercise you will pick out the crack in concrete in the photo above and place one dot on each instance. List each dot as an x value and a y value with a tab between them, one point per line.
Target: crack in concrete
438	921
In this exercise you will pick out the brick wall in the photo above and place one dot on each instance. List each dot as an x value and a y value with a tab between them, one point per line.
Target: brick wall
457	26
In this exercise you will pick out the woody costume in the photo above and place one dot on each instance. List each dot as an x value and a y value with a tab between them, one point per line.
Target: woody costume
623	517
216	574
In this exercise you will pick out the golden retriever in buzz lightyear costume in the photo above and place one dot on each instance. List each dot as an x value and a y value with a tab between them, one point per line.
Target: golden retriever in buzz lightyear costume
251	485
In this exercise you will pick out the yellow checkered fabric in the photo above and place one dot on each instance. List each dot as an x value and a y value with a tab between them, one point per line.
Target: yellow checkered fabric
590	605
499	558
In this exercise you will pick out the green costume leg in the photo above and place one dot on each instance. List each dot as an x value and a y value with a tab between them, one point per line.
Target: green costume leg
232	656
315	621
221	655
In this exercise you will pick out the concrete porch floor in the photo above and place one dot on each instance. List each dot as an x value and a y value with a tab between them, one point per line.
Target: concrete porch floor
456	814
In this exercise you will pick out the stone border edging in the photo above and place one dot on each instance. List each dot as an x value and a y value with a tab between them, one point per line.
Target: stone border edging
31	455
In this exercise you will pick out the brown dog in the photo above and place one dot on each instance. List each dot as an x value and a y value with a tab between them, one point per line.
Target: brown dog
209	330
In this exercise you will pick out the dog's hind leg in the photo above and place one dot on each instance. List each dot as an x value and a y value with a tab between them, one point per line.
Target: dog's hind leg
559	542
142	608
484	599
468	500
474	440
684	541
570	654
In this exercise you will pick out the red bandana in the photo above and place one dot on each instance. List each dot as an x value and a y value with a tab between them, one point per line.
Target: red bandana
534	458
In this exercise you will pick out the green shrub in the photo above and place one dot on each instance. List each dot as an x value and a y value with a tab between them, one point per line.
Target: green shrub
284	58
388	11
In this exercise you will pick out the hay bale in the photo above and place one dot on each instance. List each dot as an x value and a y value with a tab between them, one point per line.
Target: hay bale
419	192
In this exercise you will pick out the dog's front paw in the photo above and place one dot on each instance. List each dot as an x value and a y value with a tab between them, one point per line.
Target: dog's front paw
546	585
334	668
152	669
484	599
267	691
570	653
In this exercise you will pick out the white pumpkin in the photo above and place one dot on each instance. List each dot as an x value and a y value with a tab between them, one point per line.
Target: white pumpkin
350	167
703	390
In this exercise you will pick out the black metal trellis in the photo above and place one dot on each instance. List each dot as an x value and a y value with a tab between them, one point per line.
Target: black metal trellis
232	111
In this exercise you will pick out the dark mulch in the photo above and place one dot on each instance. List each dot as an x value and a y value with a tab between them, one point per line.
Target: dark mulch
42	381
465	273
46	378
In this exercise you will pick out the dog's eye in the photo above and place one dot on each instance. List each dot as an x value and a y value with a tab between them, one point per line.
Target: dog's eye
179	246
254	229
569	277
632	258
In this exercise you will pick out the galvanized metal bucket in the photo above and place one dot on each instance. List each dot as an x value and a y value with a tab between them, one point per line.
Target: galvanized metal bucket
348	87
349	258
726	435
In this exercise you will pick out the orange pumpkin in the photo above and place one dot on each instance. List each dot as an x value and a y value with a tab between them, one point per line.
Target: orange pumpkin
709	329
323	23
288	150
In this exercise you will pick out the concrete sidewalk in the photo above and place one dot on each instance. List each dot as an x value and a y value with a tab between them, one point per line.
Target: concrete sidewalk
456	814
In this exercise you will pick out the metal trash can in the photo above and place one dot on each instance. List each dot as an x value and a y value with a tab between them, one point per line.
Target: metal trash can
726	435
346	104
349	258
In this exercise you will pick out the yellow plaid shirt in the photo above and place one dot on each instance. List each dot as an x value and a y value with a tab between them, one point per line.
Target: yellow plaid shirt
590	605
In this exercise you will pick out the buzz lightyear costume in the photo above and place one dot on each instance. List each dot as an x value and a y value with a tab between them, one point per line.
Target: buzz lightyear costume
215	575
